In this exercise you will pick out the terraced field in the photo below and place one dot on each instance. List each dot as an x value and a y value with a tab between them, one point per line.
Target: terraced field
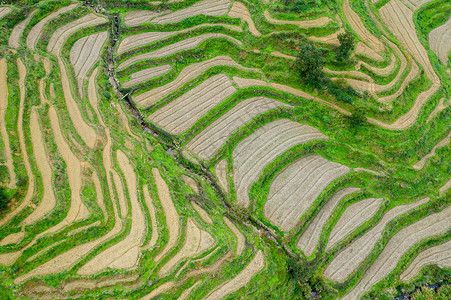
173	150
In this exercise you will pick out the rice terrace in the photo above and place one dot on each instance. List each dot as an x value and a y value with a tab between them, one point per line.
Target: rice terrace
222	149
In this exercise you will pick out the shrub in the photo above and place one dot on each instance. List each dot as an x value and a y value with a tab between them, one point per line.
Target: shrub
309	64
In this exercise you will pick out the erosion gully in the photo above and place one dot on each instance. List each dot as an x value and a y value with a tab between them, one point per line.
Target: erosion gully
172	146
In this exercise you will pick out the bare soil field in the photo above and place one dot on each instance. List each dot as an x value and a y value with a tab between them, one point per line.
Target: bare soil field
205	7
4	11
328	39
441	106
440	41
124	254
153	218
362	49
48	200
209	141
61	34
196	242
138	17
354	216
159	290
191	183
183	112
126	123
279	54
438	255
247	82
16	33
445	187
183	45
294	190
239	237
309	239
239	10
420	164
357	25
84	54
99	194
256	151
146	74
13	238
401	242
221	174
171	214
189	73
349	259
3	131
241	279
388	69
202	213
184	295
36	31
304	24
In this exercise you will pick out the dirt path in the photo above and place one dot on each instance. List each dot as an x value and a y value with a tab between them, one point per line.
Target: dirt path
264	145
17	31
48	200
247	82
309	239
438	255
171	214
196	242
282	55
440	41
352	218
4	132
146	74
36	31
297	186
183	112
241	279
188	73
239	237
304	24
399	244
205	7
239	10
349	259
420	164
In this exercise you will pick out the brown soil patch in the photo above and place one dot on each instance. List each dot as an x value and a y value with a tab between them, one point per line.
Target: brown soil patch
349	259
441	106
99	194
401	242
189	73
186	44
183	112
52	91
307	23
440	41
247	82
125	122
364	50
191	183
386	70
240	280
84	54
221	174
352	218
328	39
294	190
138	17
4	11
196	242
171	214
83	228
202	213
239	237
153	218
48	200
205	7
3	131
146	74
310	237
13	238
438	255
159	290
125	254
420	164
445	187
279	54
186	292
239	10
259	149
17	31
36	31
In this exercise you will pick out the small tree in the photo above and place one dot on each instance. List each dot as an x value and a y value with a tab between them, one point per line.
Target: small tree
309	64
343	52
